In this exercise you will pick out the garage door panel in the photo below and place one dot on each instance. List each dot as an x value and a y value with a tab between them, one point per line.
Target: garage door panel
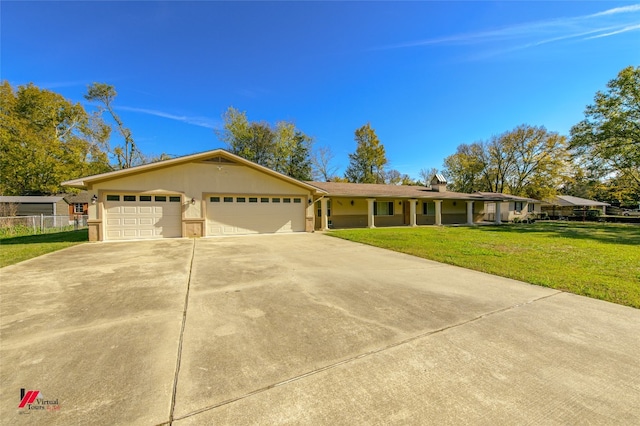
229	218
142	219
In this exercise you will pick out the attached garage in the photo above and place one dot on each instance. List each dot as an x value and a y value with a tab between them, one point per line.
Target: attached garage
134	216
213	193
252	214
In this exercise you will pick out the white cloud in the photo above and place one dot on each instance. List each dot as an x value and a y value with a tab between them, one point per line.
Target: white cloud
196	121
601	24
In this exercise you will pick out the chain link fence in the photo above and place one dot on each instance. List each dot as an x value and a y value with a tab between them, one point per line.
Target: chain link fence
33	225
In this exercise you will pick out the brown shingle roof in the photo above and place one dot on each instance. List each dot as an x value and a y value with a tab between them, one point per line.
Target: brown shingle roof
507	197
342	189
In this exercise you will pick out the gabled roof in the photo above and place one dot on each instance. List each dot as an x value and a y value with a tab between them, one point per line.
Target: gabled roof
571	201
438	179
215	156
29	199
343	189
82	197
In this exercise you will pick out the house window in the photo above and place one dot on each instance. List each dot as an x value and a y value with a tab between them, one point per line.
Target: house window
228	199
328	209
517	206
531	207
174	199
214	199
129	198
297	200
113	198
383	208
240	200
286	200
264	199
253	200
428	209
145	198
161	198
275	200
78	208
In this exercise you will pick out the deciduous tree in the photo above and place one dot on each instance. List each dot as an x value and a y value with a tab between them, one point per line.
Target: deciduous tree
322	167
608	139
127	155
366	164
45	140
282	147
527	161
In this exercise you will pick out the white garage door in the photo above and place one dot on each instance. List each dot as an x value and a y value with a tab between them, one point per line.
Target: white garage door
142	216
248	214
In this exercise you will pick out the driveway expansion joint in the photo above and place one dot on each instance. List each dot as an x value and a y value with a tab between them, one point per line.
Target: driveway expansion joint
181	340
360	356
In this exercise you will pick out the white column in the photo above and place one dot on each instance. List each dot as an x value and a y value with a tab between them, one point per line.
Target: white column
438	212
498	213
324	217
370	219
469	212
412	212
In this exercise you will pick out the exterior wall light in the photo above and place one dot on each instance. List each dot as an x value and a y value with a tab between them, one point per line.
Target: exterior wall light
94	199
193	200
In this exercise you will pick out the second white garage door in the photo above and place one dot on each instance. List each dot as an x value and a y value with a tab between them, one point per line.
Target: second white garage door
247	214
142	216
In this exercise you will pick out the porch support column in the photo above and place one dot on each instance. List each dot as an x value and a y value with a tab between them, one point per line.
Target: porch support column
412	212
498	213
438	212
324	217
370	218
469	212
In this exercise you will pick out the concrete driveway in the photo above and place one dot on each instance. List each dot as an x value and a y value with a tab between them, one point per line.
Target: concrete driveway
302	329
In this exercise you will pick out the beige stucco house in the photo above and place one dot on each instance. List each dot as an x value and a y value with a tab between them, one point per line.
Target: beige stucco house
218	193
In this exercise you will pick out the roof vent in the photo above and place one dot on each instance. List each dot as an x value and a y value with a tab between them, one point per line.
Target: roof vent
438	183
218	160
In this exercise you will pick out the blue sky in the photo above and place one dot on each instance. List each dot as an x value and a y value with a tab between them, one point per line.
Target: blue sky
428	76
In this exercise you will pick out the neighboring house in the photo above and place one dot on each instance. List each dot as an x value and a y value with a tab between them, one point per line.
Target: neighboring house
78	204
218	193
515	208
33	205
567	205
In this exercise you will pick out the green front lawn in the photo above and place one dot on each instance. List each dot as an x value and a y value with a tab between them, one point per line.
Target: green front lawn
17	249
595	260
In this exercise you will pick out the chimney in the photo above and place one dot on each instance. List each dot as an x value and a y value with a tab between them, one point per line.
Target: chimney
438	183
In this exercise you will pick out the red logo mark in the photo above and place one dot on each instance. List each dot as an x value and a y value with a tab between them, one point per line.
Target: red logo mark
27	398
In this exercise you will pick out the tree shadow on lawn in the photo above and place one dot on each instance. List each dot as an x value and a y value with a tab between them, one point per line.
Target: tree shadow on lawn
605	233
57	237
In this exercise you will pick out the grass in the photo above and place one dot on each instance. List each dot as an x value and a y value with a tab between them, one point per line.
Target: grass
596	260
17	249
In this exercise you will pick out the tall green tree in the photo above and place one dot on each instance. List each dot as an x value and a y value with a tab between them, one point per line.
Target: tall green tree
366	164
527	161
282	147
45	140
608	139
127	155
464	169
